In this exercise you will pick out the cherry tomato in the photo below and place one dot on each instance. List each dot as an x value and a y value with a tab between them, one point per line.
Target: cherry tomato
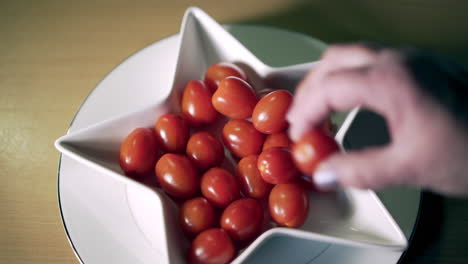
172	132
196	103
196	215
280	139
243	219
251	182
138	152
212	246
220	187
289	204
269	115
312	148
204	150
219	71
177	175
277	166
234	98
241	138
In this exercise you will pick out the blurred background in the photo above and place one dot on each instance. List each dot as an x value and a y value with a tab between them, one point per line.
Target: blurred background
53	53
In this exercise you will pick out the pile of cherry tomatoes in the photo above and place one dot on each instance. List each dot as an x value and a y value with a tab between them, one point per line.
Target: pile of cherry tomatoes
223	208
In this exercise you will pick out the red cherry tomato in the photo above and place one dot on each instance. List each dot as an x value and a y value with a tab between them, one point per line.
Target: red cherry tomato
243	219
220	187
269	115
211	246
219	71
280	139
234	98
196	215
196	103
204	150
172	132
177	175
276	165
251	182
312	148
289	204
241	138
138	152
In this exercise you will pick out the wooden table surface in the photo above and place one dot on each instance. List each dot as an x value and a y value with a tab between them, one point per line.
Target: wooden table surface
53	53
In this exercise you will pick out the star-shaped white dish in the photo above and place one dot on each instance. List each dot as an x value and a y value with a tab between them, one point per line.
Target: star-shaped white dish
350	217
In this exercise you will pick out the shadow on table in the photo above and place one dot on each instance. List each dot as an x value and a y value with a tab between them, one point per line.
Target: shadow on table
426	232
428	24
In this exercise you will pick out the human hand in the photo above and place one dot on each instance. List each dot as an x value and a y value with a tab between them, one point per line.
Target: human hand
421	96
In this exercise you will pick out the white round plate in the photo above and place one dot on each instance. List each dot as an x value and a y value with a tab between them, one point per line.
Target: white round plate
96	212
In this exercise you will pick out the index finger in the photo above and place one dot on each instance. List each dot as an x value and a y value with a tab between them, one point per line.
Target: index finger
337	91
340	82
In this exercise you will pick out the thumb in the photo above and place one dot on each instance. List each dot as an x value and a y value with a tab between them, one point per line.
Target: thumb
372	168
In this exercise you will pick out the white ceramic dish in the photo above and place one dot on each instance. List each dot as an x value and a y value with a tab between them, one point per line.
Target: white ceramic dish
113	219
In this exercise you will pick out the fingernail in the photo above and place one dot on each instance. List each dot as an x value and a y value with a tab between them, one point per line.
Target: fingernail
293	137
325	179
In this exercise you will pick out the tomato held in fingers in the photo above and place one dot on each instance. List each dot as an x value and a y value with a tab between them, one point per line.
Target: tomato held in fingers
234	98
172	131
312	148
250	180
196	103
241	138
289	204
213	246
220	187
276	165
280	139
177	175
204	150
138	152
219	71
269	115
196	215
243	219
